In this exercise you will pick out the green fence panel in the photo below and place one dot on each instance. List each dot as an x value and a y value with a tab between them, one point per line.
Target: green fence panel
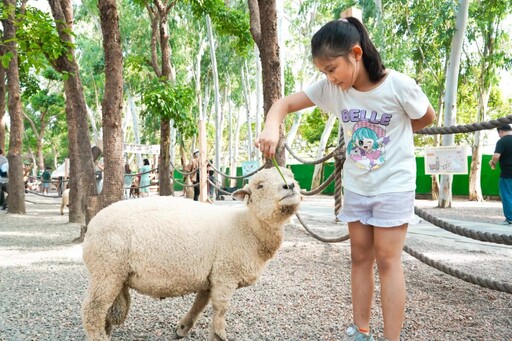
460	187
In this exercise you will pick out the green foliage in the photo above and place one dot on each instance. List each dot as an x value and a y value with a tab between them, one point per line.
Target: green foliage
227	21
314	123
289	81
37	38
170	102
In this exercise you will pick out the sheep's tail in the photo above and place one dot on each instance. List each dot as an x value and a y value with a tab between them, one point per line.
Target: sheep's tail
119	310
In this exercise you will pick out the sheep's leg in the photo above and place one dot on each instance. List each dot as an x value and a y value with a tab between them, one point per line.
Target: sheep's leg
117	313
100	297
221	297
189	320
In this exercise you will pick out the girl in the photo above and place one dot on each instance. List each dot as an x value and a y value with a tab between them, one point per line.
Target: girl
378	201
127	181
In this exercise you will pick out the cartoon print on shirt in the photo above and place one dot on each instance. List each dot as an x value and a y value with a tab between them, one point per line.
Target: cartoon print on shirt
366	145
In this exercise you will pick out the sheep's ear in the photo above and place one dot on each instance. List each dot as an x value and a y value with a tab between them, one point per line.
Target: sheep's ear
241	193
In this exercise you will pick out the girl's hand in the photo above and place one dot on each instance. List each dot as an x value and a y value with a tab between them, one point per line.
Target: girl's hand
267	141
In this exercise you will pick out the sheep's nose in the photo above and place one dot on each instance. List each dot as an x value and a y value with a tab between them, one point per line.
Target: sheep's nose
289	186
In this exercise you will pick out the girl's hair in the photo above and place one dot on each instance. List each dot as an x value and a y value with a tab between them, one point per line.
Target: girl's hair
145	162
127	169
336	39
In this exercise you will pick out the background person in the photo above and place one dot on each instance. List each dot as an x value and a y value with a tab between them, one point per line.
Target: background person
47	180
379	109
145	181
127	181
194	173
503	155
4	179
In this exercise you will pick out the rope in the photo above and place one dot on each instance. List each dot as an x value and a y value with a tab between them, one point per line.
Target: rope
462	231
237	177
186	185
45	196
466	128
219	188
182	172
321	187
314	162
320	238
490	284
339	161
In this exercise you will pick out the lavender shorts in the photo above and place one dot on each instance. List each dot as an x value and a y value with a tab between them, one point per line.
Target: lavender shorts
382	210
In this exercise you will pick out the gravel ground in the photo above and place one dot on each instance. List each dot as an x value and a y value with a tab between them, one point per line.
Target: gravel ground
304	294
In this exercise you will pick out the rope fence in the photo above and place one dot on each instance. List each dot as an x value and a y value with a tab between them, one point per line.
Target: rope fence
503	239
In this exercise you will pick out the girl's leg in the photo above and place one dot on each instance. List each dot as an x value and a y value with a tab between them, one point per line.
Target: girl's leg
389	243
363	258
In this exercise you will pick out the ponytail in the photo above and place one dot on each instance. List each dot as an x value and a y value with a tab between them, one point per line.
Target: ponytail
338	37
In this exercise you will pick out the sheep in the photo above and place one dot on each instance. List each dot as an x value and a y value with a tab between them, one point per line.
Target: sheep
175	246
64	201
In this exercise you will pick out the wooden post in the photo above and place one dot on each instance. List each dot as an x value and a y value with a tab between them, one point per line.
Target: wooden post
352	12
203	183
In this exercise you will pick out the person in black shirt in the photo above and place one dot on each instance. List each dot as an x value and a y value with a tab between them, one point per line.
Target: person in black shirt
503	154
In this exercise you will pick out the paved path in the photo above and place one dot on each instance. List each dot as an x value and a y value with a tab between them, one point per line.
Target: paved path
319	211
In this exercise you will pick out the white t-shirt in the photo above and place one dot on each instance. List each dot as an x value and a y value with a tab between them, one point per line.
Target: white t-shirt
377	131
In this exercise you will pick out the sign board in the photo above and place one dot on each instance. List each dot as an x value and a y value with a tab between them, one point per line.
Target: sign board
141	148
249	166
446	160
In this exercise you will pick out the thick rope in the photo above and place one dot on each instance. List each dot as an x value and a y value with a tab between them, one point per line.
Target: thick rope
462	231
182	172
219	188
320	188
314	162
339	161
486	283
466	128
237	177
320	238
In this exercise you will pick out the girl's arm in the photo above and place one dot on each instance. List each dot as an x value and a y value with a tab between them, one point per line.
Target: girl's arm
269	137
424	121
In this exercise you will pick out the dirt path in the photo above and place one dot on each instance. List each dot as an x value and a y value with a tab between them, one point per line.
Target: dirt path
304	294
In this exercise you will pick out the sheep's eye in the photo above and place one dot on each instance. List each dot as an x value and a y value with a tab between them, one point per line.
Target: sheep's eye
260	186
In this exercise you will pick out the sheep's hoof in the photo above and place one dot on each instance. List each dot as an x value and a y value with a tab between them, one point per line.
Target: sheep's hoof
217	337
182	330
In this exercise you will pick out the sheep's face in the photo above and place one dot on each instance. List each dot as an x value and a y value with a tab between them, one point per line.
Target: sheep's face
269	197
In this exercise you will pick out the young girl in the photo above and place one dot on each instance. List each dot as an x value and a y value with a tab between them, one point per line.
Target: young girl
378	193
127	181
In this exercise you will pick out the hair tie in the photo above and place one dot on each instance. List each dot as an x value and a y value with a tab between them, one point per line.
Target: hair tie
344	20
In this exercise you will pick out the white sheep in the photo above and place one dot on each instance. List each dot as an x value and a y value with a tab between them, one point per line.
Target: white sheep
168	247
64	202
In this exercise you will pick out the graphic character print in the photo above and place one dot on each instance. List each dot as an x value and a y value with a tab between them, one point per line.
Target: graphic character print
366	145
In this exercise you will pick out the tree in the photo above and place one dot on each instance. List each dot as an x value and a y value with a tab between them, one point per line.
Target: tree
46	107
82	181
450	109
264	19
488	35
112	104
3	89
16	183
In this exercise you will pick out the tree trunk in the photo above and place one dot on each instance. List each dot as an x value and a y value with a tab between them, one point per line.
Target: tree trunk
16	199
264	19
318	172
160	34
218	126
2	101
112	105
445	195
82	181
